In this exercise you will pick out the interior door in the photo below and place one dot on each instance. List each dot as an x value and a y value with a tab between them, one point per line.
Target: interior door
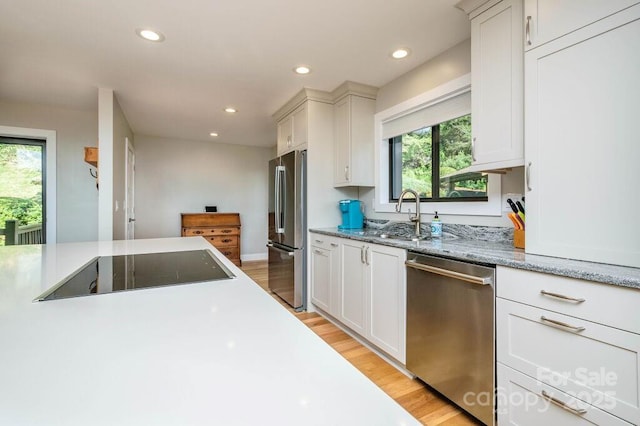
130	218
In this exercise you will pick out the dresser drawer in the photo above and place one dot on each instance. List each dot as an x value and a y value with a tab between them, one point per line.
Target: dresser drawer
233	253
207	231
223	240
597	364
602	303
524	401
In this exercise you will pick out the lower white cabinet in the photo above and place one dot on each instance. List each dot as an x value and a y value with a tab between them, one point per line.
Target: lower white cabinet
575	340
524	401
325	273
363	286
373	288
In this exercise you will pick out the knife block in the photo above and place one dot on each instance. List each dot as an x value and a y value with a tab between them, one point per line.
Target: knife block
518	238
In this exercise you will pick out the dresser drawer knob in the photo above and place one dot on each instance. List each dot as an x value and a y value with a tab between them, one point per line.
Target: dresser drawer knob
561	296
226	231
561	324
197	232
227	240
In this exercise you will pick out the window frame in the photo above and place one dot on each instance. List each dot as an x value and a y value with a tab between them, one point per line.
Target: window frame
395	169
382	202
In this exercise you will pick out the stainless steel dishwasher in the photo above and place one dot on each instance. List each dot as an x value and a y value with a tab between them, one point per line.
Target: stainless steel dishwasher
450	330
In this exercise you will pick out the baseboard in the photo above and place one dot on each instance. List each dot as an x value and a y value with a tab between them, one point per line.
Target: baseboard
253	257
391	361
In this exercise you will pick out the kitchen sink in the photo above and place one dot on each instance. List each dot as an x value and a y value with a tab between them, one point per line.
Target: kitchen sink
403	237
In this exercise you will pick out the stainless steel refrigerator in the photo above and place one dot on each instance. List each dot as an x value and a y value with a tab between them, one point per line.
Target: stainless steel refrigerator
288	228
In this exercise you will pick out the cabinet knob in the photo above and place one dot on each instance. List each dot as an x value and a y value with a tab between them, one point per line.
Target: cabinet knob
227	240
226	231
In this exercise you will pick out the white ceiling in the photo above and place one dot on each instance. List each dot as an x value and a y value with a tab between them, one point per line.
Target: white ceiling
216	53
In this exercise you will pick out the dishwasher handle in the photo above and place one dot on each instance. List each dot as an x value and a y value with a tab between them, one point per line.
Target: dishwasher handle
448	273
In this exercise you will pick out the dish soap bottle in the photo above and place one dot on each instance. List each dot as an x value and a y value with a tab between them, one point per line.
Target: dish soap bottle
436	227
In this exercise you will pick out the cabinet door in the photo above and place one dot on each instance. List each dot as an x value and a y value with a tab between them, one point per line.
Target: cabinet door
352	282
550	19
582	96
321	278
342	137
285	135
386	286
524	401
300	126
497	80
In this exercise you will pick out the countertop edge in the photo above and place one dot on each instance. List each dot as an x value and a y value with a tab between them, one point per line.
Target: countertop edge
621	276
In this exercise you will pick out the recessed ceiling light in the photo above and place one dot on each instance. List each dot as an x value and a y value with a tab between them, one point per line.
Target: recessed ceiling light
400	53
230	110
150	35
214	134
302	70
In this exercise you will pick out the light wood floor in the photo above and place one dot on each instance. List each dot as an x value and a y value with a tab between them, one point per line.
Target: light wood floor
418	399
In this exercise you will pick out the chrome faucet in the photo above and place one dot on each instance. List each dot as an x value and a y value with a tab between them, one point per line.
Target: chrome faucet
416	217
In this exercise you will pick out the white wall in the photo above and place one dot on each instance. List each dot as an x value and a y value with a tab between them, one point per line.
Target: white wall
77	197
445	67
179	176
105	164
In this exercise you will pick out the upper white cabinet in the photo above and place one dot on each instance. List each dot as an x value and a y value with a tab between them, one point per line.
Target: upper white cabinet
582	95
292	130
354	134
547	20
497	86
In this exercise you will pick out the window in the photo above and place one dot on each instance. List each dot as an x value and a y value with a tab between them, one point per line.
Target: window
432	161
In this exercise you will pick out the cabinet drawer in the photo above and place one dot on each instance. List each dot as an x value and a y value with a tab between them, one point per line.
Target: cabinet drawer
602	303
205	231
521	401
597	364
223	240
322	241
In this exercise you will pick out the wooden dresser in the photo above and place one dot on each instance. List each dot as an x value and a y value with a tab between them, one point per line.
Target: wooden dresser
222	230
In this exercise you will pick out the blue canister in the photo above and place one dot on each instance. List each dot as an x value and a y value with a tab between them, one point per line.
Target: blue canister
436	227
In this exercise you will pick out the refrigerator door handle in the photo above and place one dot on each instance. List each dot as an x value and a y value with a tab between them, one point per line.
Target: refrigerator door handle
289	252
280	171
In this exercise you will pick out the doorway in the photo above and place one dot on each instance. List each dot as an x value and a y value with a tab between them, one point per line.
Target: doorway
22	191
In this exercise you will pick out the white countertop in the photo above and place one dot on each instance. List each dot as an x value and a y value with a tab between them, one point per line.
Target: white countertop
212	353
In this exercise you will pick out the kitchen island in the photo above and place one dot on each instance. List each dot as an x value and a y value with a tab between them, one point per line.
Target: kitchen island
211	353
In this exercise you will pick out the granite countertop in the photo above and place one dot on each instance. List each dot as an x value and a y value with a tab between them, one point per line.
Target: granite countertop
210	353
489	245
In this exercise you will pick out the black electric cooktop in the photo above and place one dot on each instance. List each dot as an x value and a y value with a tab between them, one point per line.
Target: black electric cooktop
108	274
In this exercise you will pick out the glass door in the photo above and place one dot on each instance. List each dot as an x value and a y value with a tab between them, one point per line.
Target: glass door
22	194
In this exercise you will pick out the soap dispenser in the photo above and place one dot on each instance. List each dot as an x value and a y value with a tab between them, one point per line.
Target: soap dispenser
436	227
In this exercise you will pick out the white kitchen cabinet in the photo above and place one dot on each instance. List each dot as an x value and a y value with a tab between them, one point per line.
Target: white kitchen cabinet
564	335
582	97
353	286
386	297
353	135
546	20
292	130
497	87
373	292
325	273
523	401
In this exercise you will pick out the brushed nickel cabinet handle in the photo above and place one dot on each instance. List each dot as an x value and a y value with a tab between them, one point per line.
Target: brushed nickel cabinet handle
528	176
527	31
366	256
346	172
321	253
563	405
561	324
320	241
334	245
561	296
362	254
